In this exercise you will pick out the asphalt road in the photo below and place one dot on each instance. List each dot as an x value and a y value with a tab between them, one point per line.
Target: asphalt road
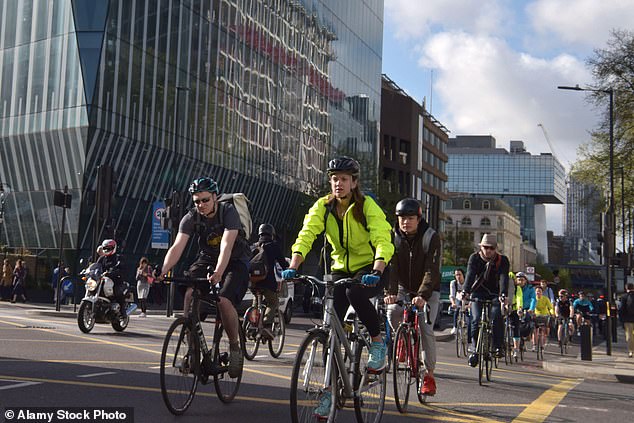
45	361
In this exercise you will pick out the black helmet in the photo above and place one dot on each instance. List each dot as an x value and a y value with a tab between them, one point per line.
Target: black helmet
203	184
266	229
473	360
409	207
344	164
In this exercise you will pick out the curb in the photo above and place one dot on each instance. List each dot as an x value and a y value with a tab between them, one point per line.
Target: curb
579	370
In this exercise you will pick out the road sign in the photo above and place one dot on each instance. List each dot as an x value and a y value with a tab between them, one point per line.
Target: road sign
160	236
530	270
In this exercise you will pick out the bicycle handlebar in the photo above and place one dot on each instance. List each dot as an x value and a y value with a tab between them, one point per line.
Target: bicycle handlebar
316	281
426	309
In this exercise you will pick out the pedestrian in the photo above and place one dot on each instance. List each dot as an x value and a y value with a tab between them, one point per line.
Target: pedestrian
626	313
7	281
19	279
455	295
487	279
143	277
355	227
415	276
55	283
268	286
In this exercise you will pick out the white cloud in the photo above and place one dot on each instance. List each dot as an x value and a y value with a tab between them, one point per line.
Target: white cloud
582	22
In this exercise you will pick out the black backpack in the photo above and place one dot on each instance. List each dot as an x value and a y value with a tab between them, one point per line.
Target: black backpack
627	307
259	263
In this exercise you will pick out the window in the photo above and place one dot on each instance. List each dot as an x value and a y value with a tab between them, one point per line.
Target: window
466	221
449	221
485	221
486	205
466	204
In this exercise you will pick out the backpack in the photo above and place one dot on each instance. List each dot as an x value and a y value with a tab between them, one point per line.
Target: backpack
627	307
241	203
259	263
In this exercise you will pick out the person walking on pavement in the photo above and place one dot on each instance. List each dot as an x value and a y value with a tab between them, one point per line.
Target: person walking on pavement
6	281
360	236
222	246
415	272
19	279
143	276
487	279
626	313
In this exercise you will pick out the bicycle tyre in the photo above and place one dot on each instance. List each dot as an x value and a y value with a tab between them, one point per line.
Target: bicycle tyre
421	371
251	335
538	347
226	386
179	365
490	358
276	345
522	348
480	348
402	369
459	336
308	377
370	386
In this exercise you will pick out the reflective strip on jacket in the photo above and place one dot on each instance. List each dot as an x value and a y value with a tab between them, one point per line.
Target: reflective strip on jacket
357	246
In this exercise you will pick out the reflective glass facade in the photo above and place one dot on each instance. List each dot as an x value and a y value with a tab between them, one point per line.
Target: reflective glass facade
257	94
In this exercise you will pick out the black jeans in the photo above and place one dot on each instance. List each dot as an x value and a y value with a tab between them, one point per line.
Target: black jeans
495	317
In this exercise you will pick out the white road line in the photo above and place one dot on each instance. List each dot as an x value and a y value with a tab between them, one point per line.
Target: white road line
97	374
17	384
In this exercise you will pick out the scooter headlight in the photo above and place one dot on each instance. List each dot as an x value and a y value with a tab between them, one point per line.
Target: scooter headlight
108	287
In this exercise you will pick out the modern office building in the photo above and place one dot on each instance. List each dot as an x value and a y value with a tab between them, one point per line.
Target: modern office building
413	152
152	94
524	181
469	218
583	212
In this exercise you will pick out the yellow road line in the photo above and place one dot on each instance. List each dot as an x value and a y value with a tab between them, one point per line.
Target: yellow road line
541	408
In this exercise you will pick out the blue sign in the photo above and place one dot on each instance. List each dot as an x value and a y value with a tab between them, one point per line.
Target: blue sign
160	236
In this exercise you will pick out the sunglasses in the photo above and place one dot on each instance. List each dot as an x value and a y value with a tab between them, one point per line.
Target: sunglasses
486	247
202	200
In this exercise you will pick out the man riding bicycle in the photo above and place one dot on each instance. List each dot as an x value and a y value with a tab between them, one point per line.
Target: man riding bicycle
582	308
217	226
563	311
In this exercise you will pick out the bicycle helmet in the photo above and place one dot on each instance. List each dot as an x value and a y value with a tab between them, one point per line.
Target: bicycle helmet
344	164
266	229
203	184
409	207
563	292
521	275
109	247
473	360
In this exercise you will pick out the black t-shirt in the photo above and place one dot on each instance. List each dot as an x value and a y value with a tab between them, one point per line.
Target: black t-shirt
210	231
564	307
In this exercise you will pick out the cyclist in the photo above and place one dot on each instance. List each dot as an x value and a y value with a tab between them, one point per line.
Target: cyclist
528	305
415	272
563	311
456	287
582	308
517	303
222	246
356	229
543	310
487	279
110	261
268	286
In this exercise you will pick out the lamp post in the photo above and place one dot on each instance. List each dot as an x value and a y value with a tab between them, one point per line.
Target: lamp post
610	243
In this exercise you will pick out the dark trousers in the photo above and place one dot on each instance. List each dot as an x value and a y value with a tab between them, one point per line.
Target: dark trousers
495	317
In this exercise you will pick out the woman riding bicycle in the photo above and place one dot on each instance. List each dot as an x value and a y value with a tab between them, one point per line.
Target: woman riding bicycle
360	237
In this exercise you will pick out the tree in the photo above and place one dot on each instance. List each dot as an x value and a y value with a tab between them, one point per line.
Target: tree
612	69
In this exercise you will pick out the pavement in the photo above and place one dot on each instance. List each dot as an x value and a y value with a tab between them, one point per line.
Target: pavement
617	367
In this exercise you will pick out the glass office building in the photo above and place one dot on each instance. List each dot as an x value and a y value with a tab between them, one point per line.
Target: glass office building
526	182
257	94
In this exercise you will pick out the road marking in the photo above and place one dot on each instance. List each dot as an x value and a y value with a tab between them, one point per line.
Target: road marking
541	408
97	374
577	407
18	384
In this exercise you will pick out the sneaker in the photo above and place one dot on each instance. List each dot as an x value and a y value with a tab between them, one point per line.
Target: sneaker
401	351
533	348
323	409
376	361
630	355
267	334
453	331
142	315
236	360
470	348
515	354
499	352
429	386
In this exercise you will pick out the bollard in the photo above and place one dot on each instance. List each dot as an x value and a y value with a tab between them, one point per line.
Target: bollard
614	323
586	342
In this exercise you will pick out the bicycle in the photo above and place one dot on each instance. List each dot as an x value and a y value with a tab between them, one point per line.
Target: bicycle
484	346
508	340
186	359
253	329
331	360
386	329
540	334
409	366
461	332
565	334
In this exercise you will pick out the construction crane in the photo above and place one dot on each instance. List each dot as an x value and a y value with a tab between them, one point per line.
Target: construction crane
550	144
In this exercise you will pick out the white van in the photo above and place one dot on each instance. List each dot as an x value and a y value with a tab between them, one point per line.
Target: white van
286	294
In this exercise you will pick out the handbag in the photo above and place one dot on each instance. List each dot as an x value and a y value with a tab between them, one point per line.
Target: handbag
150	276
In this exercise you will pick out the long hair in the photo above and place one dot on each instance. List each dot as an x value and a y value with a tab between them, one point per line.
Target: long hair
358	199
143	260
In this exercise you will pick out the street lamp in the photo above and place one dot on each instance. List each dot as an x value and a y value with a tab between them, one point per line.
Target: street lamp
610	221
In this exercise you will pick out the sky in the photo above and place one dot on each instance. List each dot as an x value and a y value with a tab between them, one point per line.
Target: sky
492	67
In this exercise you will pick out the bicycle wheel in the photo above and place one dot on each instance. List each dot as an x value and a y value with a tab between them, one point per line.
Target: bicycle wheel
179	364
459	337
540	345
490	357
309	377
464	330
370	386
508	344
226	386
251	335
402	369
522	348
481	347
421	370
279	332
538	342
